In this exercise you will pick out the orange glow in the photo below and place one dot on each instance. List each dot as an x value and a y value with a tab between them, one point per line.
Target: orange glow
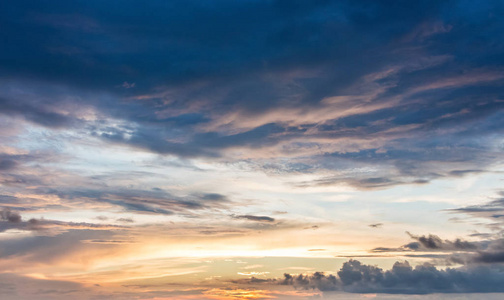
223	294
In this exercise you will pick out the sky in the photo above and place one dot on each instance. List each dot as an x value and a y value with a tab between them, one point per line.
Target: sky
251	149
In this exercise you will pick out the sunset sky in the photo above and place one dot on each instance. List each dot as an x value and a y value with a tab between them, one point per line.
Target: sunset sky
251	149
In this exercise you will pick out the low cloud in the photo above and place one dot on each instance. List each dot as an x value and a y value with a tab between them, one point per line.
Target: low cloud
459	252
356	277
10	216
432	242
436	243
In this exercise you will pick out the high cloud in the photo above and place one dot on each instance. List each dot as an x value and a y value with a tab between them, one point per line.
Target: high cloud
303	83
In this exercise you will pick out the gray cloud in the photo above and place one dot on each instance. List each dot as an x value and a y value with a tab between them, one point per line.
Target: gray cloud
13	220
355	277
411	93
423	107
491	252
10	216
125	220
155	200
254	218
34	113
7	164
436	243
433	242
376	225
493	210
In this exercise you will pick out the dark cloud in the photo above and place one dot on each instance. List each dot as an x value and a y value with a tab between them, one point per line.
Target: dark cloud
376	225
13	220
490	257
10	216
436	243
492	210
34	112
7	164
433	242
155	201
125	220
330	85
170	46
190	73
254	218
202	144
490	252
409	92
214	197
356	277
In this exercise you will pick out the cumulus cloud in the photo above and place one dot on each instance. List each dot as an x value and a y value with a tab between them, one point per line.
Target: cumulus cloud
356	277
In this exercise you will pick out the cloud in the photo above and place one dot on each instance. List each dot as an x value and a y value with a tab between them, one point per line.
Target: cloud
356	277
436	243
490	252
255	218
376	225
149	201
13	220
36	114
23	287
493	210
432	242
424	110
366	94
9	216
7	164
125	220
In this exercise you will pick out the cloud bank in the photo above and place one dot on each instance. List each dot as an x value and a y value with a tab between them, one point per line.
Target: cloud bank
356	277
